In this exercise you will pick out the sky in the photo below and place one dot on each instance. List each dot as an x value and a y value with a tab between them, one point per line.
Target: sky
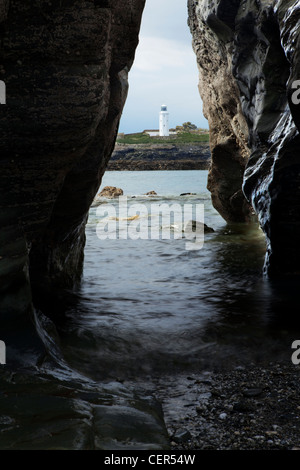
164	71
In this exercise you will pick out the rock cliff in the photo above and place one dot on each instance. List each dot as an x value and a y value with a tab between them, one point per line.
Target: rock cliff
65	66
248	56
222	108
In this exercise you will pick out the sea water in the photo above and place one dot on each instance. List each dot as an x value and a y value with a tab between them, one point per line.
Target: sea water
148	311
151	306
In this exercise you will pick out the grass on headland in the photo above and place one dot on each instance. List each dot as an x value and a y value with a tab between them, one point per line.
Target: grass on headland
181	138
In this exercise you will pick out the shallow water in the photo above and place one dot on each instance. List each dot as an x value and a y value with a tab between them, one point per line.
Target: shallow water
149	307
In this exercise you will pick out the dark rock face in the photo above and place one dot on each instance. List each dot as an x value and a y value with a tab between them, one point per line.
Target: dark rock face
273	174
65	66
222	108
257	45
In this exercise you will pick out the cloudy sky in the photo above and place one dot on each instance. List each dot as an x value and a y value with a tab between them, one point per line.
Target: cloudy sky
164	71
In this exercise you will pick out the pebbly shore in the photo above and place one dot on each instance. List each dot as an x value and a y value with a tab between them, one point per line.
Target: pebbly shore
248	408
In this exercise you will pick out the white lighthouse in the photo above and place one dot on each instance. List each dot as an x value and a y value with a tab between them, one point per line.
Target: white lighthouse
164	121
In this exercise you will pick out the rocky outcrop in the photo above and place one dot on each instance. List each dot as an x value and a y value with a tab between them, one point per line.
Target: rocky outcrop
272	177
145	157
65	66
110	191
248	55
222	108
53	414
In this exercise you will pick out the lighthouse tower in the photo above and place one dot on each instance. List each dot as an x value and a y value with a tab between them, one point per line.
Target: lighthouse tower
164	121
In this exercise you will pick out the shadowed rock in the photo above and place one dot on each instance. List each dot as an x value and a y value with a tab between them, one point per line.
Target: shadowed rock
195	225
65	66
222	107
248	56
110	191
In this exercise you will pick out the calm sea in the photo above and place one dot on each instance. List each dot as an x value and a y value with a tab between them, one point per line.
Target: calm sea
150	306
148	310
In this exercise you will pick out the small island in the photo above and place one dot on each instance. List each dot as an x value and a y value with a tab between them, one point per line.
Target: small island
143	151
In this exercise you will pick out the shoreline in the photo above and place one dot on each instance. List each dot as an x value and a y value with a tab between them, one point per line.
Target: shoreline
153	157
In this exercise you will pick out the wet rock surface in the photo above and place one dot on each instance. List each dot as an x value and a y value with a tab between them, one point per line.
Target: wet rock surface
194	225
248	56
46	412
65	66
49	406
222	108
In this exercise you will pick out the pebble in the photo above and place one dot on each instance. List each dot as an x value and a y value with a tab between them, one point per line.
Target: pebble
271	433
223	416
242	407
201	408
182	435
204	382
252	392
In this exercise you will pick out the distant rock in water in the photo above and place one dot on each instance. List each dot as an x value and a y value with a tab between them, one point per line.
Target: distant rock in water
188	194
111	191
194	225
151	193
